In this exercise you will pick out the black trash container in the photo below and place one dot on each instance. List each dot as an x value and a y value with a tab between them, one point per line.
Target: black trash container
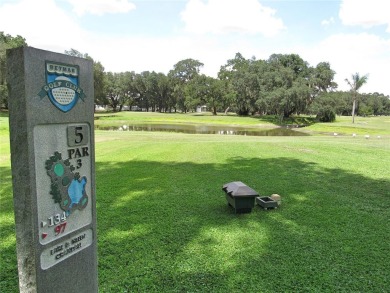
240	196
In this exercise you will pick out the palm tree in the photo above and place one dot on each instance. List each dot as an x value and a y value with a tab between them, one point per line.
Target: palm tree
356	84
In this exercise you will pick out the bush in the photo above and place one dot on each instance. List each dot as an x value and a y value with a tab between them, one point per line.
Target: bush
326	114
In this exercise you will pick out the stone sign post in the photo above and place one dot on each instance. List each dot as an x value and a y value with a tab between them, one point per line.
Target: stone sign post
51	107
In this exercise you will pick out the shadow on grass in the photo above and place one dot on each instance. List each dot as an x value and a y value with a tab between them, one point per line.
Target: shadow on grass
4	113
166	227
8	266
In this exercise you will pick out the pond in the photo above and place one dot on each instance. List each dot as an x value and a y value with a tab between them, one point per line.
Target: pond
209	129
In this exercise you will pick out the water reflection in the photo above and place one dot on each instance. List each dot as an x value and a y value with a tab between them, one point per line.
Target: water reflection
208	129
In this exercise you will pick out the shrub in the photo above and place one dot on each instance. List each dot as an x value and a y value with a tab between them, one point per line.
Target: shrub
326	114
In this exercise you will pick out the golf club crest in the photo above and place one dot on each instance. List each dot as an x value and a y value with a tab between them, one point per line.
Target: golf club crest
62	85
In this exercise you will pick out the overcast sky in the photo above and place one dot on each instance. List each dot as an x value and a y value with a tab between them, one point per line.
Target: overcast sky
126	35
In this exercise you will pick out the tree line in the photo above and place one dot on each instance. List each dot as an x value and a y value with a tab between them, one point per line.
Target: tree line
282	85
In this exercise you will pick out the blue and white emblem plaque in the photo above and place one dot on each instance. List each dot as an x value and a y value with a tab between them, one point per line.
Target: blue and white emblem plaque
62	86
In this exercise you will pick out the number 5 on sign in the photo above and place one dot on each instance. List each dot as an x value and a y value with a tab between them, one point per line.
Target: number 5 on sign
77	135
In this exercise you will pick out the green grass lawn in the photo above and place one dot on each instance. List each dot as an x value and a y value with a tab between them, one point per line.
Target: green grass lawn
164	224
372	126
121	118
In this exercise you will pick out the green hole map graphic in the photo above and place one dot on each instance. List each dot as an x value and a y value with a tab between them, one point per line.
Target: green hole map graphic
59	170
63	181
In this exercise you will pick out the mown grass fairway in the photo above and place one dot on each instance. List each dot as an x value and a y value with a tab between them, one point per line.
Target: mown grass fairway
372	126
164	224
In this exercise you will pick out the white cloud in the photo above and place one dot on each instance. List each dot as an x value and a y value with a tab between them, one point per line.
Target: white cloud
142	53
100	7
42	24
225	16
365	13
350	53
347	53
327	22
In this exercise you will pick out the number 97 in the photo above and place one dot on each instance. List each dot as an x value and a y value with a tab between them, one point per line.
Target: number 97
59	228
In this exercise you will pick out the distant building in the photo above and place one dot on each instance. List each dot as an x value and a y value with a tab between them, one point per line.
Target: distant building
100	108
200	109
135	108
